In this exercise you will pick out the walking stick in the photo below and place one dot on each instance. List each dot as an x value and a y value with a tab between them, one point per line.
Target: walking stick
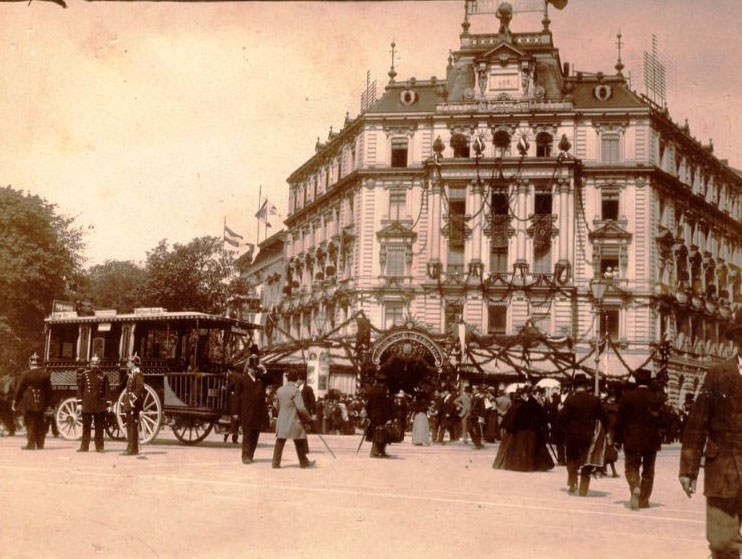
363	438
326	445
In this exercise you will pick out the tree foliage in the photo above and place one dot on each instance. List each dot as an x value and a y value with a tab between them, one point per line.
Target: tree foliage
116	284
40	258
195	276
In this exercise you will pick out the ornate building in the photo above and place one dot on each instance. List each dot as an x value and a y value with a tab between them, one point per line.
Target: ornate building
498	196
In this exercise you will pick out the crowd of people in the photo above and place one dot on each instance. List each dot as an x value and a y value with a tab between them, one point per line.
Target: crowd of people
536	429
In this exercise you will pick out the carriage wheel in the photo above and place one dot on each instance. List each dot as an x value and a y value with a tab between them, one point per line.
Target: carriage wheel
69	421
113	430
190	430
150	418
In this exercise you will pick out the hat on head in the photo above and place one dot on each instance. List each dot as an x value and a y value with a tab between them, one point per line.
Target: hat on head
34	360
95	361
580	379
292	376
643	376
735	326
135	359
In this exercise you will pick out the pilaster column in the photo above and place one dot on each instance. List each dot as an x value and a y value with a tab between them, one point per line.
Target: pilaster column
435	218
521	223
477	225
564	220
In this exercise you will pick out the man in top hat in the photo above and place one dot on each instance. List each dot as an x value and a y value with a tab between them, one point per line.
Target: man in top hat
379	409
292	419
637	427
253	407
308	398
715	424
132	404
35	390
579	417
93	398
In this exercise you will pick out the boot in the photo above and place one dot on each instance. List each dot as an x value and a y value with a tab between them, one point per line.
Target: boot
584	483
644	493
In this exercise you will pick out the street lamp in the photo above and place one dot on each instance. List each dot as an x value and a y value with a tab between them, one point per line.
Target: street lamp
598	287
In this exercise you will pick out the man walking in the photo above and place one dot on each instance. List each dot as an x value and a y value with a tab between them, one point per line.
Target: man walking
715	423
92	396
132	403
310	402
35	390
638	429
292	418
379	410
253	408
476	416
463	404
580	416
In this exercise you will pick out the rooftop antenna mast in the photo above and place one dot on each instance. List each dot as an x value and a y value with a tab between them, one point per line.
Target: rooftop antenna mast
368	97
619	65
392	72
655	76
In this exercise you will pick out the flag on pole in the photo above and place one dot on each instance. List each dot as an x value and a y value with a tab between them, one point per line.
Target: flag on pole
266	210
230	237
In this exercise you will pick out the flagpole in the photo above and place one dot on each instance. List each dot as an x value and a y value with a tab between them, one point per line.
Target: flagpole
260	194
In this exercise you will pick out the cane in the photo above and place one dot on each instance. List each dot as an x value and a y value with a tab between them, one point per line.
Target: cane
363	438
326	445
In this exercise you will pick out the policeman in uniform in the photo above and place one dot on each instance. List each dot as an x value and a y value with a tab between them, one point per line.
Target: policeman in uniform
133	400
35	389
92	396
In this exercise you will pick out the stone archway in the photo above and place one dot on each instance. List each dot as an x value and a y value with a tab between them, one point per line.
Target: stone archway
408	357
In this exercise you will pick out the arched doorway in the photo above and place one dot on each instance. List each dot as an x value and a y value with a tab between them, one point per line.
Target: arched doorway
409	358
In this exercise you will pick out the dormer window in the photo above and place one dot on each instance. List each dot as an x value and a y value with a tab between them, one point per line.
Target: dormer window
400	147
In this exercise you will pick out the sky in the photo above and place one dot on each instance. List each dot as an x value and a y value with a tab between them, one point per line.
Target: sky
150	121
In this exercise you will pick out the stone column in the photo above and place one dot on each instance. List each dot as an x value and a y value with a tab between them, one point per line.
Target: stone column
477	224
562	189
521	224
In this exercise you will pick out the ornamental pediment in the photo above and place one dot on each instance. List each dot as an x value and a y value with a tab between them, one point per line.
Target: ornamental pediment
610	230
395	230
502	54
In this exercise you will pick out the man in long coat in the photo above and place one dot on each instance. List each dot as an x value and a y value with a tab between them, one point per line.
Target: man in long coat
580	415
715	423
92	396
292	417
234	377
379	409
253	409
133	402
638	430
35	390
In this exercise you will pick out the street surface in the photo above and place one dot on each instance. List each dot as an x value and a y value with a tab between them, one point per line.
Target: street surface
441	501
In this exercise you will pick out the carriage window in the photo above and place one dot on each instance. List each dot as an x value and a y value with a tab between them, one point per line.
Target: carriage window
62	341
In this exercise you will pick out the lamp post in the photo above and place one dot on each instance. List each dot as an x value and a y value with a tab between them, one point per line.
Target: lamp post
597	287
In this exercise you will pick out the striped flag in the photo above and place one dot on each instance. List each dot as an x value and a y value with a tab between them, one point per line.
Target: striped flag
267	209
230	237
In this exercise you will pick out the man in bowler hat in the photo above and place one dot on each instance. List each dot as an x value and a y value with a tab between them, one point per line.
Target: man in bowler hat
714	430
638	429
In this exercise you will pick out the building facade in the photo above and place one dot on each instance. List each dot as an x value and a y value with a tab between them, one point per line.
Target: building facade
498	196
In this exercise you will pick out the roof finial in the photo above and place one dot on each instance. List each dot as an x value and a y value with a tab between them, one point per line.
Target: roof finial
619	65
504	14
466	24
546	21
392	72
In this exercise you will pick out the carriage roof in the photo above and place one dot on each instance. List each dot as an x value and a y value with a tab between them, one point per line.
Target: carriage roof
71	317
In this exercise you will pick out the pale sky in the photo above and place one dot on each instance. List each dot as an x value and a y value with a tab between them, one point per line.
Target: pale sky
149	120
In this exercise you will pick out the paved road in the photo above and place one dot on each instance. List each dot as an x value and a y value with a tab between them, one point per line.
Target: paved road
442	501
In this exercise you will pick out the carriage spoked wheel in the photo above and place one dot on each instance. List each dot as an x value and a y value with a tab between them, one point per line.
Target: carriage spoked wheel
191	430
113	430
150	418
69	420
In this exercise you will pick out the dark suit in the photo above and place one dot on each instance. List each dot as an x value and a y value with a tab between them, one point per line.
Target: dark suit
379	409
35	390
638	429
578	418
93	394
253	413
715	422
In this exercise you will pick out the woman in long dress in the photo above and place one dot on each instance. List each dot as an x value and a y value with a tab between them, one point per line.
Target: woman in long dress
524	446
420	425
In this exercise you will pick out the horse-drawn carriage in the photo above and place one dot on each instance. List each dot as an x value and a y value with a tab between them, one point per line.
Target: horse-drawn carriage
185	356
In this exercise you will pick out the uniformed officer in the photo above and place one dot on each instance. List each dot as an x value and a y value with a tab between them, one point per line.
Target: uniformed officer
133	401
35	389
92	396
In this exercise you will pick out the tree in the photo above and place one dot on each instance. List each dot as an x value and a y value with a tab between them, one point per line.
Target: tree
195	276
116	284
40	259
